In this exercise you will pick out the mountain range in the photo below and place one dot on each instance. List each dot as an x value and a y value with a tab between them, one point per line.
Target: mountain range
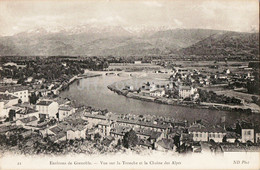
117	41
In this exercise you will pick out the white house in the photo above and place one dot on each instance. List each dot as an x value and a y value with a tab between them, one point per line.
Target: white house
202	133
6	100
65	111
29	79
186	91
157	93
247	132
19	91
48	107
138	62
104	128
77	133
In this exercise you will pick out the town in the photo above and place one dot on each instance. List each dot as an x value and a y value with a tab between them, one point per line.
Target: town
36	120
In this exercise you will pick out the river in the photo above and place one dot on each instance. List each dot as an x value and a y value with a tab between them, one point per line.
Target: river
94	92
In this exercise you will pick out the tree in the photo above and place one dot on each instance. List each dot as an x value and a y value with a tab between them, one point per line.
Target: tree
11	115
97	136
224	139
176	139
255	100
130	139
33	98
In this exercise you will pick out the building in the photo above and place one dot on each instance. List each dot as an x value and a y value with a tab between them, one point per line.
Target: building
24	112
231	137
138	62
6	101
28	121
9	80
157	93
47	108
65	111
118	132
29	79
247	132
165	145
202	133
257	137
77	133
19	91
56	133
186	91
104	128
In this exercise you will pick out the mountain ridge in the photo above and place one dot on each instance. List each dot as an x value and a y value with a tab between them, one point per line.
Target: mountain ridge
118	41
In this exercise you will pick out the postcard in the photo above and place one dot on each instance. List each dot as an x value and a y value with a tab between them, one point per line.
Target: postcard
127	84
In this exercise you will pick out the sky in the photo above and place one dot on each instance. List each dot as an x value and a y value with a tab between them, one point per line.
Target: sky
235	15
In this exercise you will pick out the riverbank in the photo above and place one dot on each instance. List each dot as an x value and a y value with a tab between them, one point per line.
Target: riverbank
176	102
65	85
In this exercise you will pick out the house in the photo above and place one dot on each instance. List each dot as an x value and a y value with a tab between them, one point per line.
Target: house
247	132
47	108
130	88
138	62
29	79
65	111
186	91
58	138
43	92
157	93
118	132
257	136
95	119
196	147
76	133
28	121
104	128
202	133
23	112
227	71
56	133
7	100
19	91
9	80
90	133
164	145
231	137
107	141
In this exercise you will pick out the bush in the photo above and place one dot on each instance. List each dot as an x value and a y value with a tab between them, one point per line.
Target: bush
130	139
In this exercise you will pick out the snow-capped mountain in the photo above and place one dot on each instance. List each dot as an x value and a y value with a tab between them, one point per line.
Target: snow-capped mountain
89	39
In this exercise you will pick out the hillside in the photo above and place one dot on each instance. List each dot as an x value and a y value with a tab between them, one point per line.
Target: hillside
117	41
112	41
245	45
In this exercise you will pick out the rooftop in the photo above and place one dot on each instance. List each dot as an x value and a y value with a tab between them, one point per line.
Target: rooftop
209	129
12	89
44	103
28	119
184	87
4	97
166	143
66	108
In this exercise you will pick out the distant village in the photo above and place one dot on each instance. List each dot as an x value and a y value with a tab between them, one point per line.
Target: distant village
34	119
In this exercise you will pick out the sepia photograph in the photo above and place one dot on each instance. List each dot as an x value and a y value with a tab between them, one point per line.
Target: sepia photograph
129	84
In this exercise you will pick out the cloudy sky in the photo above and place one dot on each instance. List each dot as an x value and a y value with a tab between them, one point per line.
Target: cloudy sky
235	15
